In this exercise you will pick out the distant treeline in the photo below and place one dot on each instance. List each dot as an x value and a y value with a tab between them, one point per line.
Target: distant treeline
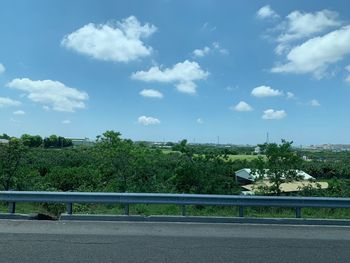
33	141
114	164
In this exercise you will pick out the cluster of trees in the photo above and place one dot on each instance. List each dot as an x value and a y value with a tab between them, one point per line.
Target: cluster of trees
33	141
212	149
114	164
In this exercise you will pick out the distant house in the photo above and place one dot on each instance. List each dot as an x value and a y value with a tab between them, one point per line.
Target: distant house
4	141
245	176
246	179
81	142
257	150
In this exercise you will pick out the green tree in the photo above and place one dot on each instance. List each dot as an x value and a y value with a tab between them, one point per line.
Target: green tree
10	157
114	157
31	141
280	165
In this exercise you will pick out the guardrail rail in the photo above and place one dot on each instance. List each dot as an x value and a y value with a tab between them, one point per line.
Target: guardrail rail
69	198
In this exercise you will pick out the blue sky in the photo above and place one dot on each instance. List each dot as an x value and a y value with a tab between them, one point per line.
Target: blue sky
168	70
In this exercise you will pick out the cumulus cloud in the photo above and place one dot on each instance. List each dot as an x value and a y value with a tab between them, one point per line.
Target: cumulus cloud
200	121
347	79
314	103
217	46
300	25
7	102
2	69
266	12
51	93
206	50
118	42
183	75
66	122
19	112
151	93
145	121
316	54
201	52
242	106
290	95
271	114
266	91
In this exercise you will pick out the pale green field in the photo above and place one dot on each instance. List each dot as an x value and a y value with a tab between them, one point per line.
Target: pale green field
230	156
244	157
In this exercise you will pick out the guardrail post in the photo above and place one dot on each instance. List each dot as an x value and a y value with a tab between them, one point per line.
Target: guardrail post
184	212
241	211
126	209
69	208
11	207
298	212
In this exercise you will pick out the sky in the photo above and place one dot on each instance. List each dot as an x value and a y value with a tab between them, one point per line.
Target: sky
168	70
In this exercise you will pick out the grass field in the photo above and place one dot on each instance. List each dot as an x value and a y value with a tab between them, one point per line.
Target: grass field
230	156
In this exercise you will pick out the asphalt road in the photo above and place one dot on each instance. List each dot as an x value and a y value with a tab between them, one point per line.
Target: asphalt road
43	241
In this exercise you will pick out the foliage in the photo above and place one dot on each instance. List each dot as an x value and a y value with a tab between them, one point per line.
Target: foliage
10	158
55	141
279	166
115	164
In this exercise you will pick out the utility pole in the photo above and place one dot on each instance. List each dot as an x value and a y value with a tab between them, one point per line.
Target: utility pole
267	138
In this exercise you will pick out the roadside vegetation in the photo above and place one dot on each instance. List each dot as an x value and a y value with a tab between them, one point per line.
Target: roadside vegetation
114	164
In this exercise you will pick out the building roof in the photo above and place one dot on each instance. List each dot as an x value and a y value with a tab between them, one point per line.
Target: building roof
246	173
286	187
4	141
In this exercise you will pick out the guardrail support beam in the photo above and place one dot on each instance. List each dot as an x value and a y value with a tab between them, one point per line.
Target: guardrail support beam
126	209
184	212
241	211
298	212
12	207
69	208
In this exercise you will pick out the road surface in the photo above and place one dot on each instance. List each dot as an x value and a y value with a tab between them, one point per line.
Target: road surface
45	241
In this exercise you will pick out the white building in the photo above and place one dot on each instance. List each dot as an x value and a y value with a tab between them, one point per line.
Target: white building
246	176
257	150
4	141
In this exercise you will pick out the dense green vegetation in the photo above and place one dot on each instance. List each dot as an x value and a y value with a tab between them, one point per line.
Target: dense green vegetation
114	164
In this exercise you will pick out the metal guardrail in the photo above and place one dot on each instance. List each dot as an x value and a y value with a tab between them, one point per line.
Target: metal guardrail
69	198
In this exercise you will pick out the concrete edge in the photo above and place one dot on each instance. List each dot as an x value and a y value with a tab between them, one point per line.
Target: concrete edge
15	216
200	219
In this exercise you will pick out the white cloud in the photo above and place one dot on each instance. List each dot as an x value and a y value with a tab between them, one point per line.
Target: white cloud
201	52
145	121
316	54
7	102
200	121
151	93
231	88
19	112
51	93
2	69
271	114
206	50
217	46
314	103
66	122
266	12
347	79
242	106
290	95
266	91
118	42
300	25
208	27
182	74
